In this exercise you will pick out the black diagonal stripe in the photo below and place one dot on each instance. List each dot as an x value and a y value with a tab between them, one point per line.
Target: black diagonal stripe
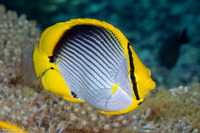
112	43
77	52
117	40
113	37
87	85
132	72
108	45
87	53
105	52
78	78
80	45
72	59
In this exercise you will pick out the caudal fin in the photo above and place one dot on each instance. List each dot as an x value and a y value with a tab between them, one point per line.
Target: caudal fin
28	71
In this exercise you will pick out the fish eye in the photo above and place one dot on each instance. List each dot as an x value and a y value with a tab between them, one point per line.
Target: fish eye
131	76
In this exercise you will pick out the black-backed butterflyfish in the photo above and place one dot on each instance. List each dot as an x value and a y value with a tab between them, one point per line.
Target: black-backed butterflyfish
86	60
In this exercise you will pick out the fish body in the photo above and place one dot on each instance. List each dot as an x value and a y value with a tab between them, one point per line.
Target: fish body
86	60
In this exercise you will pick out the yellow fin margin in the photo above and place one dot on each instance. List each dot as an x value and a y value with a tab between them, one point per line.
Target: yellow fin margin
51	35
132	107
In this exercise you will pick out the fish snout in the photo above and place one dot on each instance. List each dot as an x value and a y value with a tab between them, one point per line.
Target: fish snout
151	84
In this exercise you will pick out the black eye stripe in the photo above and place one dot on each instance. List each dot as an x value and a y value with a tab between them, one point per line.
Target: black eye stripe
132	73
132	76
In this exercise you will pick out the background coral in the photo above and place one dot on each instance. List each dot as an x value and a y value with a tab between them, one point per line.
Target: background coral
45	111
169	105
14	31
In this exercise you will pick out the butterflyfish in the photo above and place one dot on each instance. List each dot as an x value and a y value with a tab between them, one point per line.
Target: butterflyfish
86	60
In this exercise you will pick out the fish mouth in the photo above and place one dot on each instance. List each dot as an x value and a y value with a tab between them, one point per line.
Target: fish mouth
152	85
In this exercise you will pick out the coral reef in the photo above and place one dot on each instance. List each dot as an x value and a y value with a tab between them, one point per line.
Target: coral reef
180	103
41	112
44	111
177	110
